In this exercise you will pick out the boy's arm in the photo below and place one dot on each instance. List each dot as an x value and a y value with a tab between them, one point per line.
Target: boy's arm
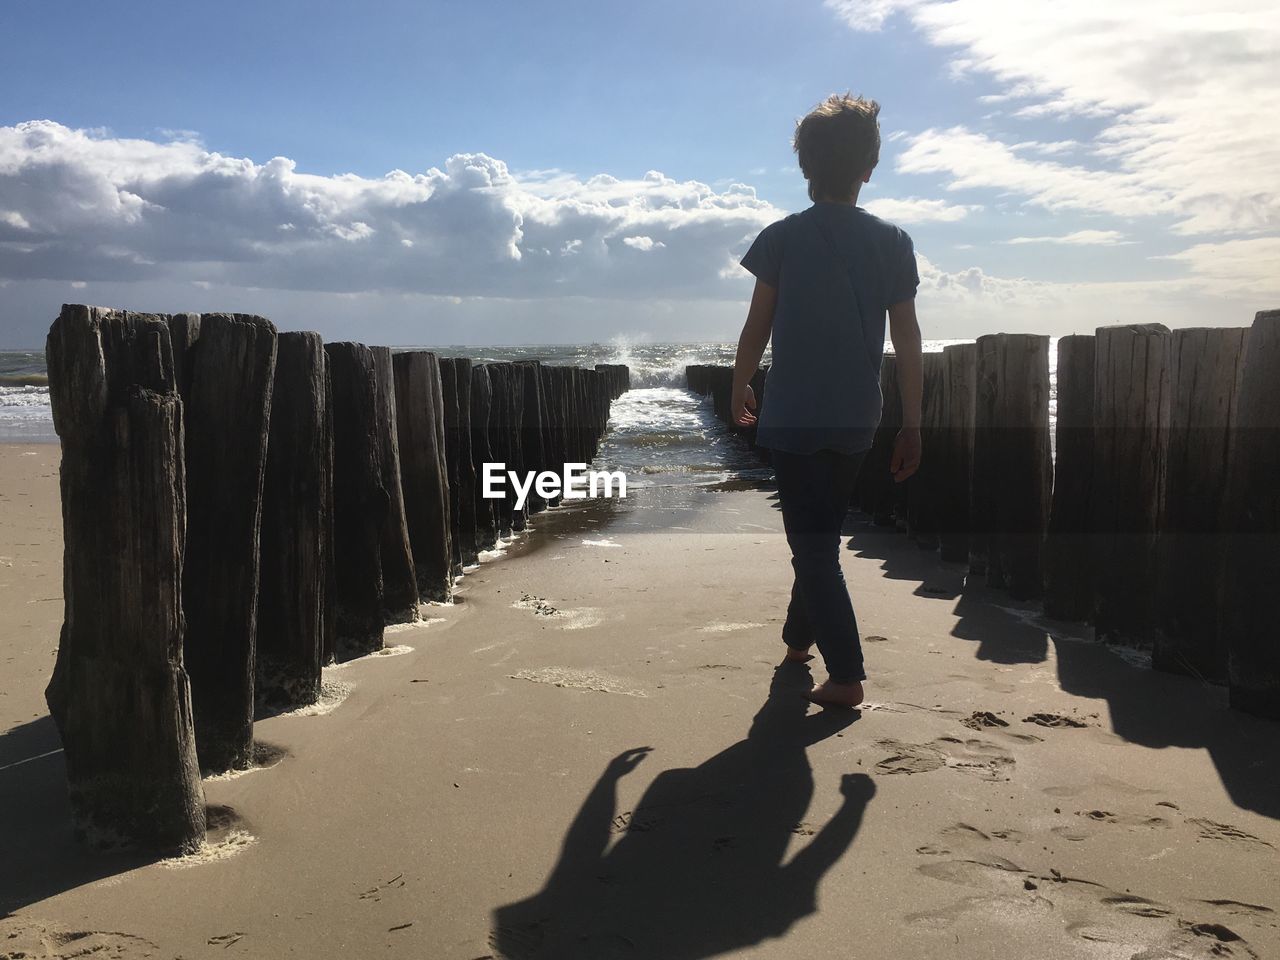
904	331
751	343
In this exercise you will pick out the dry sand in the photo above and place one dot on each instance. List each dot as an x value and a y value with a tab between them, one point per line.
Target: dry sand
486	795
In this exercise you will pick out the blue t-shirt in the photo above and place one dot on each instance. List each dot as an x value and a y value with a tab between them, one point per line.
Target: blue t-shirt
837	269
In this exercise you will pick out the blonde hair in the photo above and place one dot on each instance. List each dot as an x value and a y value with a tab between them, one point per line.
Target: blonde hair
837	142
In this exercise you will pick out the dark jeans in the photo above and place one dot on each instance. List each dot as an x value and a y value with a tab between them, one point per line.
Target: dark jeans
814	490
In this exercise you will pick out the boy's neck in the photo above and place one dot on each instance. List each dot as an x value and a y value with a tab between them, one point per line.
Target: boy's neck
850	201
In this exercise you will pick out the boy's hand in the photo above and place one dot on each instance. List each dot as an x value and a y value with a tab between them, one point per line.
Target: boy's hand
743	404
906	453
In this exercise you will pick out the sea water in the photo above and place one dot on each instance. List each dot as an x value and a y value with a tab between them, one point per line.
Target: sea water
659	433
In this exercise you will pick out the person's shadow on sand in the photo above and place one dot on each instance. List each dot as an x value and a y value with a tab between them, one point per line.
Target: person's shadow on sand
697	868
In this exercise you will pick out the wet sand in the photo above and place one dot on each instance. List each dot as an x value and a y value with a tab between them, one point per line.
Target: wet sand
595	755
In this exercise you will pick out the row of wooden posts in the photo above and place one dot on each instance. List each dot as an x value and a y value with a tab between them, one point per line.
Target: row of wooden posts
241	507
1153	512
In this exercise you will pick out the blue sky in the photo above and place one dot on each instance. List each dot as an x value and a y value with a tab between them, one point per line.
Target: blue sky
1054	170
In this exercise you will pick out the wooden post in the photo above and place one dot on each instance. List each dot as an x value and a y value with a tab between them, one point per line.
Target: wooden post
985	471
456	375
468	488
481	412
423	470
399	579
545	436
1205	365
1252	547
927	486
1024	476
119	693
230	370
449	404
297	527
1069	581
534	426
502	439
958	383
1131	411
360	500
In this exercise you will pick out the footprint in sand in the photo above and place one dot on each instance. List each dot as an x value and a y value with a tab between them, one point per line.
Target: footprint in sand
1083	831
1001	891
631	821
25	937
978	758
981	719
986	720
1100	783
1212	830
1055	720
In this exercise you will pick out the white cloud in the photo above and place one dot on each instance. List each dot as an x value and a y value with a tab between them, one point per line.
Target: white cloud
972	160
919	210
1186	93
1233	265
1080	238
868	15
644	244
82	205
970	301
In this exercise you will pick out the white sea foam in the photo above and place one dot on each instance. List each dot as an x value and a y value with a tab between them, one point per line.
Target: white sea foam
233	843
580	680
332	694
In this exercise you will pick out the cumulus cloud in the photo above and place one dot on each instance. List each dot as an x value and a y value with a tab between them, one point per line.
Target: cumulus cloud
1080	238
918	210
82	205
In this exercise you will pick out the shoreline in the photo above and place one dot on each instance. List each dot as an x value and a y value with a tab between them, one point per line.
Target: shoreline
434	811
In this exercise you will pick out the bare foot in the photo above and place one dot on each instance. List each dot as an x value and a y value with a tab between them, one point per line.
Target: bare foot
837	694
797	656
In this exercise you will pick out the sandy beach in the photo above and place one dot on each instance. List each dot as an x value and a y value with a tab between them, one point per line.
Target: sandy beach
594	754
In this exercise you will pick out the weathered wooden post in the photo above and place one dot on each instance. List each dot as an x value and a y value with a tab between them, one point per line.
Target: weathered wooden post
399	579
119	693
928	485
985	469
449	404
958	384
456	373
554	427
297	527
468	487
1252	547
481	412
1068	568
1205	366
227	411
536	434
1131	425
360	500
501	439
1025	469
423	471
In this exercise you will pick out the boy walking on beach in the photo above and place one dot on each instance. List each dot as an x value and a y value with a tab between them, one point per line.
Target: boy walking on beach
825	280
